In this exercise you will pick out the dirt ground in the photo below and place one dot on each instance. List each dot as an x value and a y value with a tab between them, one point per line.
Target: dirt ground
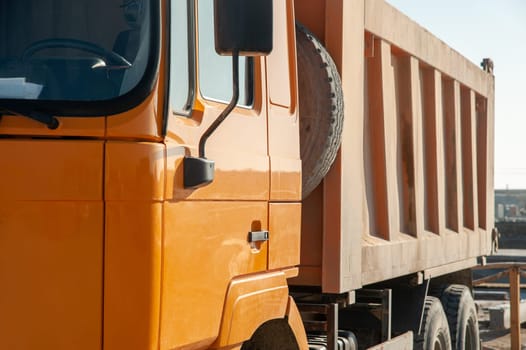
493	339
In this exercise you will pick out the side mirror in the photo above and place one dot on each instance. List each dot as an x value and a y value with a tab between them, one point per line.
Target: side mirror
243	27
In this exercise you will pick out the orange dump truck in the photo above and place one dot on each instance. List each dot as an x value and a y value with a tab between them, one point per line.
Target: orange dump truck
151	189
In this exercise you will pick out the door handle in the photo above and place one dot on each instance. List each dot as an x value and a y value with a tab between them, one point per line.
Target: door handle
258	236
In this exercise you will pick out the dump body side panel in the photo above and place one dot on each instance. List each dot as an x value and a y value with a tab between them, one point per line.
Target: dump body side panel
437	151
339	24
412	187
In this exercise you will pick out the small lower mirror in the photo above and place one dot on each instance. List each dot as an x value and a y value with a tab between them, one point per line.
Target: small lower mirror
197	172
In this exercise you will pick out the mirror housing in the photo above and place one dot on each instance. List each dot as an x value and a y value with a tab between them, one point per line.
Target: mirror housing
197	172
243	26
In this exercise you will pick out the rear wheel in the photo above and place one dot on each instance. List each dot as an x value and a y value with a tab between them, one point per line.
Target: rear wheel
462	317
434	333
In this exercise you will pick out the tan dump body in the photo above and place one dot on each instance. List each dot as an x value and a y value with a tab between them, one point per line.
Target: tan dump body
411	191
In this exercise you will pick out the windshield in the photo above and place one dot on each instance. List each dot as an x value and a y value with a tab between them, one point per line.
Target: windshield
65	50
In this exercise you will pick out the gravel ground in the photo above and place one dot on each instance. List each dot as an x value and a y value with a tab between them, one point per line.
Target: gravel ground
492	339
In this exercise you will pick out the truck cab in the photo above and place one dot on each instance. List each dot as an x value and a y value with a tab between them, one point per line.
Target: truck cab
102	245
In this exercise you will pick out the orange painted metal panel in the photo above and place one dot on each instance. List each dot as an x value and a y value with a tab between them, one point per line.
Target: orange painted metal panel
134	171
51	170
386	22
51	244
69	126
311	13
134	182
311	239
250	302
144	121
51	274
239	175
239	148
285	231
205	246
132	275
344	203
282	72
296	324
285	179
284	151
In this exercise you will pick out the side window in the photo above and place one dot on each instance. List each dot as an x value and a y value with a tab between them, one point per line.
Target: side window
215	72
182	57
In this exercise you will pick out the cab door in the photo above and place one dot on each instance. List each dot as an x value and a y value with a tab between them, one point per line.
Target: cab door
205	243
284	142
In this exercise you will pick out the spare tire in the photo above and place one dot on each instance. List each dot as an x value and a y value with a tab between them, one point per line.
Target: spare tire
320	108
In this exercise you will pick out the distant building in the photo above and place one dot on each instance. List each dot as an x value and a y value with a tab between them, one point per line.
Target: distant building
500	211
512	211
510	205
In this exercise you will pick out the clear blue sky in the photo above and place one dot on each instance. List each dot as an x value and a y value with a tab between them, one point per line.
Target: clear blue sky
495	29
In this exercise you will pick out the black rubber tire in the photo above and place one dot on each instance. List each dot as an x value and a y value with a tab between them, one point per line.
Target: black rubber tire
320	109
461	314
434	334
274	334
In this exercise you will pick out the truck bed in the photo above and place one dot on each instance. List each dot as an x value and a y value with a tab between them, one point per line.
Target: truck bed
411	190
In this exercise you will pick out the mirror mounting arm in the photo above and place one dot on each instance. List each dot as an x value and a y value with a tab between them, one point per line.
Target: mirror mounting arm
227	110
200	171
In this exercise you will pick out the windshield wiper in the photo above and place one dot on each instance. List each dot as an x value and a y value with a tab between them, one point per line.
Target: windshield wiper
49	120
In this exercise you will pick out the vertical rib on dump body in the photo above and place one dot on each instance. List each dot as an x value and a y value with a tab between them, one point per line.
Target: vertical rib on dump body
411	189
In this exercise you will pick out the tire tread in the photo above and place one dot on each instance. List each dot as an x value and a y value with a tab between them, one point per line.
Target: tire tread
320	144
433	316
452	298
